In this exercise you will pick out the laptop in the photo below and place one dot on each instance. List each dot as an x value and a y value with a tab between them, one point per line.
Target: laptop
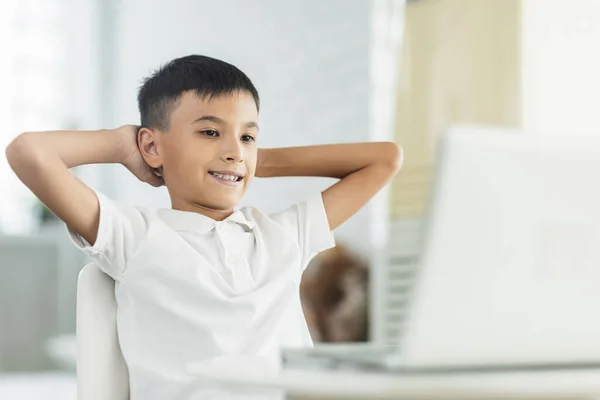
509	276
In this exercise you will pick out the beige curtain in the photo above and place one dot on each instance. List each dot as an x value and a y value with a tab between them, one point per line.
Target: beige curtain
460	63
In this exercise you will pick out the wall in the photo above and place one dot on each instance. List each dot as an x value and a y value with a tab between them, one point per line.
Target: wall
561	84
460	64
309	60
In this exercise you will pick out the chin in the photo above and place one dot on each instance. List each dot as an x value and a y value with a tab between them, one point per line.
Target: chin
231	205
222	204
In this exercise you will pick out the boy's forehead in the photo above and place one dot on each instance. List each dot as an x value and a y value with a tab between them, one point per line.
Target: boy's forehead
236	104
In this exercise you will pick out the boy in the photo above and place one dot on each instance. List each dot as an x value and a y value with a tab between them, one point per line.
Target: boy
201	280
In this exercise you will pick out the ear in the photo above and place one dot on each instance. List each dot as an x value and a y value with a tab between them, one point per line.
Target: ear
148	143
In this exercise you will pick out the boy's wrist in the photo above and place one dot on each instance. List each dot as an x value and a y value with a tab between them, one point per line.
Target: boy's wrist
125	142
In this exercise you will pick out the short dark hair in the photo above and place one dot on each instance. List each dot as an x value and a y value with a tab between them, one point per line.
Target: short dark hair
159	94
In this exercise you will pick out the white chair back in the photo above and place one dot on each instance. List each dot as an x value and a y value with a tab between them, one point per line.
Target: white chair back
101	370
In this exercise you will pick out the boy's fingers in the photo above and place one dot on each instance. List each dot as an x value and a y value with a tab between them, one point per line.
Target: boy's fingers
154	180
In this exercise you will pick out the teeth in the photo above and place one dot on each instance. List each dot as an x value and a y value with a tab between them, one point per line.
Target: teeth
226	177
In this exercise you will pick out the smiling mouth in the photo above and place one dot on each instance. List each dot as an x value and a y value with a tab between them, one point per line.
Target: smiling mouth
225	178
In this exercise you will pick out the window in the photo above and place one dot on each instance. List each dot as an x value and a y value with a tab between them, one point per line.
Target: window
33	95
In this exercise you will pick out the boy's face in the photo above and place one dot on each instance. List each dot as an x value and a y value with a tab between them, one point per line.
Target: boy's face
209	153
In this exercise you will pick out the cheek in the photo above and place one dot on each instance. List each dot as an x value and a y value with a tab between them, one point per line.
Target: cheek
189	159
171	155
186	168
178	163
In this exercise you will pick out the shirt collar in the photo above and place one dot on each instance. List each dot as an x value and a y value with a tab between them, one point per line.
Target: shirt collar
196	222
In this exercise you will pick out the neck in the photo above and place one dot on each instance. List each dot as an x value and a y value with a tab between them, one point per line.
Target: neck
215	214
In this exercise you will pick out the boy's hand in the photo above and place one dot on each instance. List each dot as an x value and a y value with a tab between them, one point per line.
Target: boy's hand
133	159
363	169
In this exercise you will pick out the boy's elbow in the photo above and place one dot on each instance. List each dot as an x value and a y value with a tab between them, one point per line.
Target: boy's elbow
13	150
20	151
393	156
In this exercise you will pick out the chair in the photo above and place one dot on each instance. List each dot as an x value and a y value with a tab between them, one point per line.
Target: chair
101	370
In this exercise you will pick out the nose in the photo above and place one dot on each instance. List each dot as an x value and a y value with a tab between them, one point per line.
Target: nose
231	150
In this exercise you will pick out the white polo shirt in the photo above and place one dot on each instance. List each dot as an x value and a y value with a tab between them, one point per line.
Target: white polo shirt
191	289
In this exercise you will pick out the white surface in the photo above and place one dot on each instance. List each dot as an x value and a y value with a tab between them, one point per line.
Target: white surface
38	386
355	385
509	272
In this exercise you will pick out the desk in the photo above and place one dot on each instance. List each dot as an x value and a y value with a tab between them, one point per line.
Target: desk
321	384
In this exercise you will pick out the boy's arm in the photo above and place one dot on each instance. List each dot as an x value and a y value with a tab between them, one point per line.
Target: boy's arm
363	169
42	160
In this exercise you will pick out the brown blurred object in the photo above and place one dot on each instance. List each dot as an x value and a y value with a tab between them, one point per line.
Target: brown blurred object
334	292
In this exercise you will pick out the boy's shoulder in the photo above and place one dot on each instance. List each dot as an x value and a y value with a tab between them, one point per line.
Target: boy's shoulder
311	208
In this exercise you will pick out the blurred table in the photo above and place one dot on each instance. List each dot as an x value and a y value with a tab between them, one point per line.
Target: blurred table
340	384
63	351
38	285
345	384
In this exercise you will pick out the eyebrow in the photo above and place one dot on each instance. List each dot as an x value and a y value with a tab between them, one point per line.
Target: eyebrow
221	121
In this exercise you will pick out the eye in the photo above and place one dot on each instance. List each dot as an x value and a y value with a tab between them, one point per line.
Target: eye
248	138
210	132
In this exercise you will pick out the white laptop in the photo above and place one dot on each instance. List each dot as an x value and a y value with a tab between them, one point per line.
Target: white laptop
509	277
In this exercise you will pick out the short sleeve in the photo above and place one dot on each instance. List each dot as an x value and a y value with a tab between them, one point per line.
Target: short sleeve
121	229
307	221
